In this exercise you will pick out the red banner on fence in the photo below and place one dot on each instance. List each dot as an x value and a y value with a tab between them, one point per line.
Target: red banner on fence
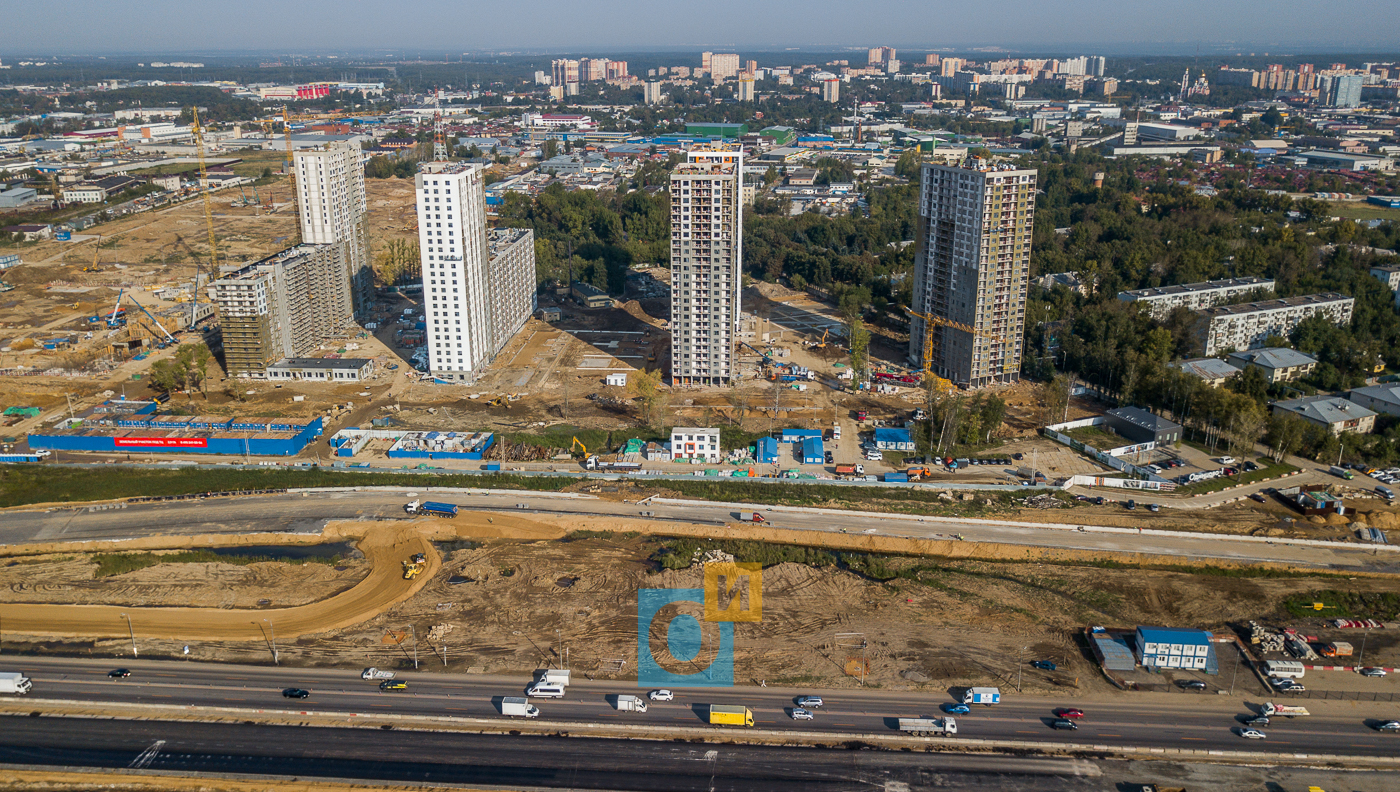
161	442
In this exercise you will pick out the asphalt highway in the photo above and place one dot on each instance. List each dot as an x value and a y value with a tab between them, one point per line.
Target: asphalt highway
516	762
306	514
1179	720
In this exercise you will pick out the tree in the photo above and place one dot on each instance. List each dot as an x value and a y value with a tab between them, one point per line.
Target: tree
551	149
646	388
859	338
1285	435
1055	395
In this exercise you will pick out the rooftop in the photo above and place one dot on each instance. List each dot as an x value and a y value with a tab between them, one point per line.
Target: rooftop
1140	417
350	364
1388	393
1207	368
1325	409
1275	357
1187	288
1274	305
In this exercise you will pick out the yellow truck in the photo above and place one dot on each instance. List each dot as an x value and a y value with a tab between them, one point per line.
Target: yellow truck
730	715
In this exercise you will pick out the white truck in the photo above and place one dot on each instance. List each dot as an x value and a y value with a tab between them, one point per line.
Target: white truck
929	727
1272	710
517	707
14	682
553	676
982	695
631	704
375	673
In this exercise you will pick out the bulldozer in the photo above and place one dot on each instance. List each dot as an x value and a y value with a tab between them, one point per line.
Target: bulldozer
413	567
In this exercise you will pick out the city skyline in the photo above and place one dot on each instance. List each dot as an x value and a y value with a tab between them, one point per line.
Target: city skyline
1253	24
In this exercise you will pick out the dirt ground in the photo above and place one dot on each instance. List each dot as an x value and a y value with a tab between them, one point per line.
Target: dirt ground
504	594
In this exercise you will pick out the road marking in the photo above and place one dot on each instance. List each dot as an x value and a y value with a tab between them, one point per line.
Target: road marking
1201	739
1027	732
1110	735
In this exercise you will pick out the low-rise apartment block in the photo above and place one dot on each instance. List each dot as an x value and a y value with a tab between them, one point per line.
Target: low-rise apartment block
1278	364
1162	300
1249	325
1389	275
690	442
1335	413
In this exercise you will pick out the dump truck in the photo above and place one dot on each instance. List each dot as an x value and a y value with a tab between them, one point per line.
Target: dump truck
753	517
849	470
730	715
916	473
594	463
1271	710
631	704
982	695
375	673
517	707
19	684
929	727
448	510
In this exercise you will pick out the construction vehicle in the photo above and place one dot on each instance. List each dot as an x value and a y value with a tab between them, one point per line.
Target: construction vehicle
448	510
96	251
594	463
918	473
578	444
822	343
414	566
169	339
499	401
208	216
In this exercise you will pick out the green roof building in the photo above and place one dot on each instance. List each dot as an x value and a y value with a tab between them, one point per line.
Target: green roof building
782	135
717	130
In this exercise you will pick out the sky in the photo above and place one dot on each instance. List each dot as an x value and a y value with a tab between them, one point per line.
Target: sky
76	27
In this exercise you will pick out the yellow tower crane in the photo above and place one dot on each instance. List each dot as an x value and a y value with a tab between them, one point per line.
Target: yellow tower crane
930	322
291	167
208	220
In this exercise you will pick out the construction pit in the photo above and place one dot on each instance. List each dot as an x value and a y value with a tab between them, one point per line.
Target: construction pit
508	593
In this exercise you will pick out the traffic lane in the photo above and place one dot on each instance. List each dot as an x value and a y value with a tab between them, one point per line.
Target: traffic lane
1025	722
307	513
514	761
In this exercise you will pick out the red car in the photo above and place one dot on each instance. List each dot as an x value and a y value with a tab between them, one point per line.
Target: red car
1069	713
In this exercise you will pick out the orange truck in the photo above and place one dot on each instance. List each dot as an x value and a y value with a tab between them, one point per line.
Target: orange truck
1337	649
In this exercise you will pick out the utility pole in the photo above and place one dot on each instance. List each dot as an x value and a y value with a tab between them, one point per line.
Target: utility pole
273	630
1361	657
132	631
415	646
1236	672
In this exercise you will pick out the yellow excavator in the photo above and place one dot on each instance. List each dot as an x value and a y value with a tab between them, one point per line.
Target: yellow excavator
499	401
578	444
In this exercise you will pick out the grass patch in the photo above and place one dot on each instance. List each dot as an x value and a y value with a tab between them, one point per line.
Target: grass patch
109	564
1365	211
1096	437
1378	605
1273	470
577	536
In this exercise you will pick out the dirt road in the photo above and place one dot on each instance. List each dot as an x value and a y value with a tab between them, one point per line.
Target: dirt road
384	546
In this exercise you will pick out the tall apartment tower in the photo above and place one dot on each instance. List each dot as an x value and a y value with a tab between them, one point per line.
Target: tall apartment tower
706	259
831	90
745	90
477	287
723	65
651	92
971	270
331	202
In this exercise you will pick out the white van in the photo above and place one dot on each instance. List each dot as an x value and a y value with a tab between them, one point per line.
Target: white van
1285	669
542	690
836	431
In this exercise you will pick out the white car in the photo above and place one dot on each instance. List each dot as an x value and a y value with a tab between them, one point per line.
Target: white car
1250	734
802	714
661	695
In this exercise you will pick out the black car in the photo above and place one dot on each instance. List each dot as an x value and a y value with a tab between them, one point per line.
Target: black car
119	673
1098	501
295	693
1257	722
1064	723
1192	684
1018	457
1132	505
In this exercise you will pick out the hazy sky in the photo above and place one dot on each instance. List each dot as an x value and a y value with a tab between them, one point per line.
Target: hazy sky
439	26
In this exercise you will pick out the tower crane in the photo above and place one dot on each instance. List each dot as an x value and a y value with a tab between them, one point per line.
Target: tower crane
930	322
291	167
208	220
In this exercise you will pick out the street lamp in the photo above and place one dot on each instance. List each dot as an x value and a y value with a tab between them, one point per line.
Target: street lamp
1360	660
132	631
1020	667
273	630
415	646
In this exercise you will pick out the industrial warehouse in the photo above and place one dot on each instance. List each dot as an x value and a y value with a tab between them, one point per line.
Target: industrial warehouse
134	426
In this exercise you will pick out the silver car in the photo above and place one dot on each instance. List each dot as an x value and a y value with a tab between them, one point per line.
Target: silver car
802	714
812	702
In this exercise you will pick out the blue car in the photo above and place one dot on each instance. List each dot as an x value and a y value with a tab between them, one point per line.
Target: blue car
1043	665
956	709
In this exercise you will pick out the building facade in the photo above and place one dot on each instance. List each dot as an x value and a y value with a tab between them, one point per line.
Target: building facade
706	258
690	442
831	90
511	277
1249	325
1334	413
972	270
1279	364
283	306
451	202
651	92
1162	300
723	66
330	183
745	90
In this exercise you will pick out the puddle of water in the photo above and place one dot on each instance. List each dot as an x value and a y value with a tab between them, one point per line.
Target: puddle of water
295	552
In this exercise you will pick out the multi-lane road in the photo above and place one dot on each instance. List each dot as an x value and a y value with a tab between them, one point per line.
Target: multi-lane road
307	514
1175	721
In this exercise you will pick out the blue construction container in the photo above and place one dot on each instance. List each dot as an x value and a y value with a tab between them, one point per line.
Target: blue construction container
767	450
812	451
897	477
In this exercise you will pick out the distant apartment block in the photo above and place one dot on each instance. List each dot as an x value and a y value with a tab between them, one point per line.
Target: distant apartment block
1162	300
722	66
1390	276
831	90
283	306
745	92
1249	325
